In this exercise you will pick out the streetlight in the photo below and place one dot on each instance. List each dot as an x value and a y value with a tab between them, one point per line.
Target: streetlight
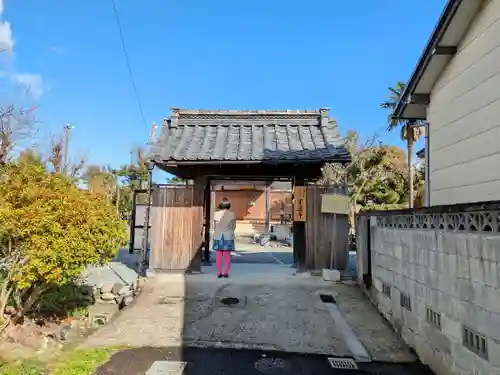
145	246
67	128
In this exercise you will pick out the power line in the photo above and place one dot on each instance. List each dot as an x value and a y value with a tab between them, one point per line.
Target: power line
127	61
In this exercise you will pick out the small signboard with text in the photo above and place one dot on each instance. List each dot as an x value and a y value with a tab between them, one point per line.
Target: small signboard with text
299	203
335	204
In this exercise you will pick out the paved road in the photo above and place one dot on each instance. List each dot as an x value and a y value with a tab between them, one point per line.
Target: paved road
205	361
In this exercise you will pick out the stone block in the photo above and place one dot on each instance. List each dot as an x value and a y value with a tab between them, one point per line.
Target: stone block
433	260
463	268
476	270
465	290
491	298
474	244
491	248
471	363
491	273
420	291
448	242
450	305
451	328
451	265
457	241
494	324
494	352
406	252
441	263
431	358
437	339
448	285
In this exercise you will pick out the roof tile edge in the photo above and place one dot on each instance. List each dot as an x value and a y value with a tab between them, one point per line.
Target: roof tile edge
182	111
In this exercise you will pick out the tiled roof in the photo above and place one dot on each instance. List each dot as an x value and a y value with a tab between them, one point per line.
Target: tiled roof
272	136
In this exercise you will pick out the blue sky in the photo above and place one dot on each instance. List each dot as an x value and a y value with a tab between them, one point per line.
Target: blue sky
220	54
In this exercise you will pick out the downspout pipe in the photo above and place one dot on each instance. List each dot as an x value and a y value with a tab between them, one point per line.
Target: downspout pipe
427	167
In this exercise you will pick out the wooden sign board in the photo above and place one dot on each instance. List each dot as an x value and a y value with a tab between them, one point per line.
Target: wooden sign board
299	203
335	204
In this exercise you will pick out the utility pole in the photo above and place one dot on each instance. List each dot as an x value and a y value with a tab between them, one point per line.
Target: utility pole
67	128
117	187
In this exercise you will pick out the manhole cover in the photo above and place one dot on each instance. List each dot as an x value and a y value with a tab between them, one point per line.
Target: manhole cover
275	366
343	363
230	301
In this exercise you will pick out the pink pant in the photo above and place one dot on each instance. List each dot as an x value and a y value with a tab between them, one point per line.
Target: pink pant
219	261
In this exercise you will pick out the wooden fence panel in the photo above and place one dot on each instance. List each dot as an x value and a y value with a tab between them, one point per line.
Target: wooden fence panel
320	239
174	238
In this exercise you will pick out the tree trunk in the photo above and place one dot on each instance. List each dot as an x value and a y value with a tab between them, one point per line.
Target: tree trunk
410	143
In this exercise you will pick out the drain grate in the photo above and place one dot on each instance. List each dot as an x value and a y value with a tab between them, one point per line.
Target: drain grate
343	363
166	368
327	298
230	301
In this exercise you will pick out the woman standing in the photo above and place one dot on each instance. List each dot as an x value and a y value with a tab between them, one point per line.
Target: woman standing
225	224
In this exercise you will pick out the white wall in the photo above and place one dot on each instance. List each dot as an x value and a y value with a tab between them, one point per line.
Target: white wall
456	275
464	117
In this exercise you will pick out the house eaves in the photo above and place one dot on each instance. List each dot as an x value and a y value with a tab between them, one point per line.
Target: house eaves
442	45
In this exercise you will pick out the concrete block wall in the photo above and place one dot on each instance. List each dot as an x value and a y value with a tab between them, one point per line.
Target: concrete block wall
454	274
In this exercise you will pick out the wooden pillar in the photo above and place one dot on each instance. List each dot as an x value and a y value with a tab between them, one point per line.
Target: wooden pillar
197	222
299	233
208	211
268	208
131	246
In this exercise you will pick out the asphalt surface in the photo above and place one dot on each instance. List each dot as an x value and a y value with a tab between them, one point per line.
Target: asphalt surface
241	362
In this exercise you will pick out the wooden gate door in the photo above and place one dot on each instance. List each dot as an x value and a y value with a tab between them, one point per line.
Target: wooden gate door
321	242
176	234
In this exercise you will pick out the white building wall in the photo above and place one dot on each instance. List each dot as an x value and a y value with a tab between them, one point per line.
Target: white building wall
464	117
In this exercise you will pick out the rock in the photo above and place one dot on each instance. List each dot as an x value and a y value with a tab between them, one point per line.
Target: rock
116	288
125	291
107	296
113	272
126	301
64	332
107	287
10	310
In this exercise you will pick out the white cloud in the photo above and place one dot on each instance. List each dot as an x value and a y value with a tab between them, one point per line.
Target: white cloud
6	37
32	83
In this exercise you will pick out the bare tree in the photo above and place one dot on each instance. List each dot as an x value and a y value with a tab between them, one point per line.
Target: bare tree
55	158
16	125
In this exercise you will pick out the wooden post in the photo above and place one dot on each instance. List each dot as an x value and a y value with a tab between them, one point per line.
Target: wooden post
208	206
299	230
197	222
132	223
268	208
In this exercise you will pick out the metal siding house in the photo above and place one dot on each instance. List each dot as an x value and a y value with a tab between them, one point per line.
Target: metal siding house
456	88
